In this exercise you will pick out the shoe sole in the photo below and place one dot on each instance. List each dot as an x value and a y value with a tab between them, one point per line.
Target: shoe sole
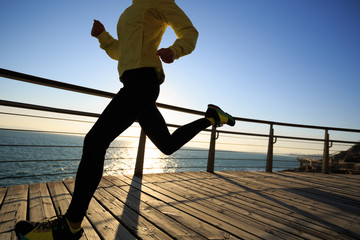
231	120
21	237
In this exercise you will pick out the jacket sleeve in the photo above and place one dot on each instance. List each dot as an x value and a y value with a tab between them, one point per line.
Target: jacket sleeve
186	33
109	44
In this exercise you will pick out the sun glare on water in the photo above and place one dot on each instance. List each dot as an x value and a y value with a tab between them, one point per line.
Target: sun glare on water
122	160
157	162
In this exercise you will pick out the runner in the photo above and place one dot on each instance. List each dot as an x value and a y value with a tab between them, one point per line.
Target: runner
140	29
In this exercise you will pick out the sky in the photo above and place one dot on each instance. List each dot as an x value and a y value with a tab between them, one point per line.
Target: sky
278	60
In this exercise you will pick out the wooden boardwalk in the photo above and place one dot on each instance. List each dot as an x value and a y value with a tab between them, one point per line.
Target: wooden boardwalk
224	205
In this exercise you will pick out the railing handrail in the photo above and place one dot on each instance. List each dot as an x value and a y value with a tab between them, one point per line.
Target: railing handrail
89	114
75	88
214	132
90	91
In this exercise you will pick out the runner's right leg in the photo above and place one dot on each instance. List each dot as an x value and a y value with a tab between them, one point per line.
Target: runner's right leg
116	118
141	89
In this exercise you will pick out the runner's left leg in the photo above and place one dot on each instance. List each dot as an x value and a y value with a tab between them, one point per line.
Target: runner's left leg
154	125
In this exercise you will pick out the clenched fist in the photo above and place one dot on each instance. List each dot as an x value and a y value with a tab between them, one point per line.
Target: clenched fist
97	28
166	54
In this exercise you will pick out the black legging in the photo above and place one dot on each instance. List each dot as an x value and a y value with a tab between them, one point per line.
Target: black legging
135	101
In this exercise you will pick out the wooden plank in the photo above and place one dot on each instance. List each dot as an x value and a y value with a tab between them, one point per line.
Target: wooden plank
236	221
276	200
281	189
327	186
318	201
7	236
213	198
333	178
13	209
164	221
3	191
128	213
61	199
348	178
280	195
103	222
40	204
342	228
209	216
160	202
330	183
312	192
267	212
224	205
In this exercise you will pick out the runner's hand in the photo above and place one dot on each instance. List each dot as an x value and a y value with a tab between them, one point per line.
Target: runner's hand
97	28
166	54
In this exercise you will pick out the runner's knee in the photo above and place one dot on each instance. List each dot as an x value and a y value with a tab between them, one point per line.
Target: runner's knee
167	150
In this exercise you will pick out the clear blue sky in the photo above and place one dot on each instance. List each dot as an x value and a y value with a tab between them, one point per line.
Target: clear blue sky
291	61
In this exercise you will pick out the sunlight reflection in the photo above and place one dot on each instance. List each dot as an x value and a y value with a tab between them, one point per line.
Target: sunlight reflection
157	162
121	158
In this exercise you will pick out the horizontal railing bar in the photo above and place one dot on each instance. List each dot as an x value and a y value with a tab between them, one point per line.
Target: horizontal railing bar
286	167
47	109
65	86
316	139
41	146
297	125
73	112
59	110
180	109
262	167
176	158
256	145
49	118
240	144
285	137
112	159
57	160
239	159
75	88
51	83
26	161
169	167
107	159
184	149
74	133
40	131
52	132
50	146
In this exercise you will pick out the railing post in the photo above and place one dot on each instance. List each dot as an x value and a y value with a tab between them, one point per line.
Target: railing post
325	161
269	160
140	155
211	157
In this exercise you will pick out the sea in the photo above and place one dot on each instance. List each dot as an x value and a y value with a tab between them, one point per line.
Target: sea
32	157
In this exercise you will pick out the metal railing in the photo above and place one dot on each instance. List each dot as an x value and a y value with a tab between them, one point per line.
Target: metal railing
272	137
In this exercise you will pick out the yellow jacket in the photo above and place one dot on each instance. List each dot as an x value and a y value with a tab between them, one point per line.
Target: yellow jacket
140	29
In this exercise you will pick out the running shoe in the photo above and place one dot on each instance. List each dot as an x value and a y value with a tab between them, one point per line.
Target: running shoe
56	229
220	117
